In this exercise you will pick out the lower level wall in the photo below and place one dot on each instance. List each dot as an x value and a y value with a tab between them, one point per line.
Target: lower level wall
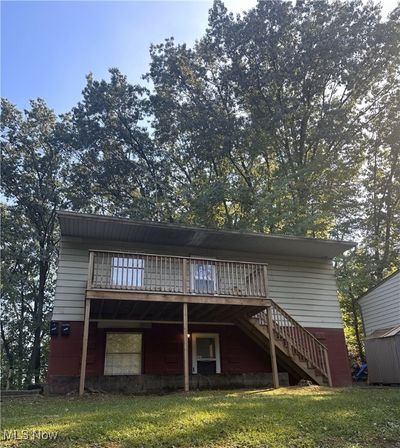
334	341
163	355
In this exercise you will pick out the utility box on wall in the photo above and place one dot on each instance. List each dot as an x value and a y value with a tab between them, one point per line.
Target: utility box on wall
53	328
65	329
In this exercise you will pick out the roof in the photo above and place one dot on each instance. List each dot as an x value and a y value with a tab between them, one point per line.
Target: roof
379	283
100	227
386	333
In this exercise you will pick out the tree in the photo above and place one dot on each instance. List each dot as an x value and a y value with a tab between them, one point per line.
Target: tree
34	166
117	169
378	254
19	286
261	115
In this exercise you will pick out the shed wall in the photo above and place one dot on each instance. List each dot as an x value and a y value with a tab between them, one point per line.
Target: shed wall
380	307
383	355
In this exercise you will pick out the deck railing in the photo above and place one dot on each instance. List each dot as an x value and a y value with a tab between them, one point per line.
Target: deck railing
298	340
176	275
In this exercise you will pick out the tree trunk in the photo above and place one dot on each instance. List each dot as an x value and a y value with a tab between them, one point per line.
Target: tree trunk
35	362
20	343
356	326
10	357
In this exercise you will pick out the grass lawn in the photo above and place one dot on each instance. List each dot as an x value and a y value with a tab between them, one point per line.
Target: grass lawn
288	417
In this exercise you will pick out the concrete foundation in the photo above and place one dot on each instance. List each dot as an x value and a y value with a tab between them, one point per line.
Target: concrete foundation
144	384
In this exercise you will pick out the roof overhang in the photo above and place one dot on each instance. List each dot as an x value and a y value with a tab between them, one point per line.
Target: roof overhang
107	228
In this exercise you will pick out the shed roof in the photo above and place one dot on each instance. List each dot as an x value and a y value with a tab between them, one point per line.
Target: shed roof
386	333
89	226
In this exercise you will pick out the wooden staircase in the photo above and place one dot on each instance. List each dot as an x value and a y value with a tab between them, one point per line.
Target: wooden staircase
296	348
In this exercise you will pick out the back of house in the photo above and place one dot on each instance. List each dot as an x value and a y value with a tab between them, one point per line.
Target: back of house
380	310
145	306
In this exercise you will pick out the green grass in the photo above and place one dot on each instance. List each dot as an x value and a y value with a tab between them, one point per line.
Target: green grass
284	418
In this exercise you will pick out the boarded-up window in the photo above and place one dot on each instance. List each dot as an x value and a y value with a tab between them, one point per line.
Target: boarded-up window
127	272
123	354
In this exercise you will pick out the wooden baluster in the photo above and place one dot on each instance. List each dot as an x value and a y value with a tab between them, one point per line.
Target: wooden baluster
217	277
229	278
243	287
265	281
102	270
184	274
221	278
125	270
257	280
238	279
173	261
253	280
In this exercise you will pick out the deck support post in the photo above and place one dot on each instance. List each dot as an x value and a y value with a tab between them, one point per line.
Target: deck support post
328	369
274	365
84	347
185	347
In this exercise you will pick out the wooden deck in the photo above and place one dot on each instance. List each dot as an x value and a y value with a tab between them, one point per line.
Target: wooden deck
124	285
166	278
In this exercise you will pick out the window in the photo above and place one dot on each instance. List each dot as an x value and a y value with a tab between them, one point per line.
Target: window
206	358
123	354
127	272
203	278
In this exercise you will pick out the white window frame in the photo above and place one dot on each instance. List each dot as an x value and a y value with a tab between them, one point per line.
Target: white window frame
215	336
129	273
127	353
200	262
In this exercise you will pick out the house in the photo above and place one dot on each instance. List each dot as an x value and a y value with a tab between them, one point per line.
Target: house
144	306
380	311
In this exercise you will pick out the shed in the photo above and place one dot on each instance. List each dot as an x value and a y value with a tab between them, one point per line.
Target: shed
380	310
383	354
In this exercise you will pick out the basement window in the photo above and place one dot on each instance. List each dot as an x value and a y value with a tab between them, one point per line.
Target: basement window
123	354
127	272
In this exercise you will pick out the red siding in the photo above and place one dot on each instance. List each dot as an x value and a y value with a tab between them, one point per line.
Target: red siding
163	351
333	339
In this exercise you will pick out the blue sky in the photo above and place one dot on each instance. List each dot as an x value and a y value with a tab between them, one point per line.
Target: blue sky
48	47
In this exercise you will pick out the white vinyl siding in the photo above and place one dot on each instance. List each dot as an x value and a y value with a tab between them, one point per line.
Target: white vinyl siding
304	287
380	308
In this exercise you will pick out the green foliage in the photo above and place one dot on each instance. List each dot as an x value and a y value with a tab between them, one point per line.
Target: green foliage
33	168
117	168
270	104
289	417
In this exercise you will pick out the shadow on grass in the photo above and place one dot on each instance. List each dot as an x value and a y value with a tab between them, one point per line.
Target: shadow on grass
297	418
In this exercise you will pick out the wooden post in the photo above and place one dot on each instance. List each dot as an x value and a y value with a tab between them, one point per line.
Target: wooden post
185	347
328	369
84	347
275	377
90	271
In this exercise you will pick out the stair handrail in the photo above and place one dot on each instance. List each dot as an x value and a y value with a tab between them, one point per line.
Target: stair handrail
299	339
